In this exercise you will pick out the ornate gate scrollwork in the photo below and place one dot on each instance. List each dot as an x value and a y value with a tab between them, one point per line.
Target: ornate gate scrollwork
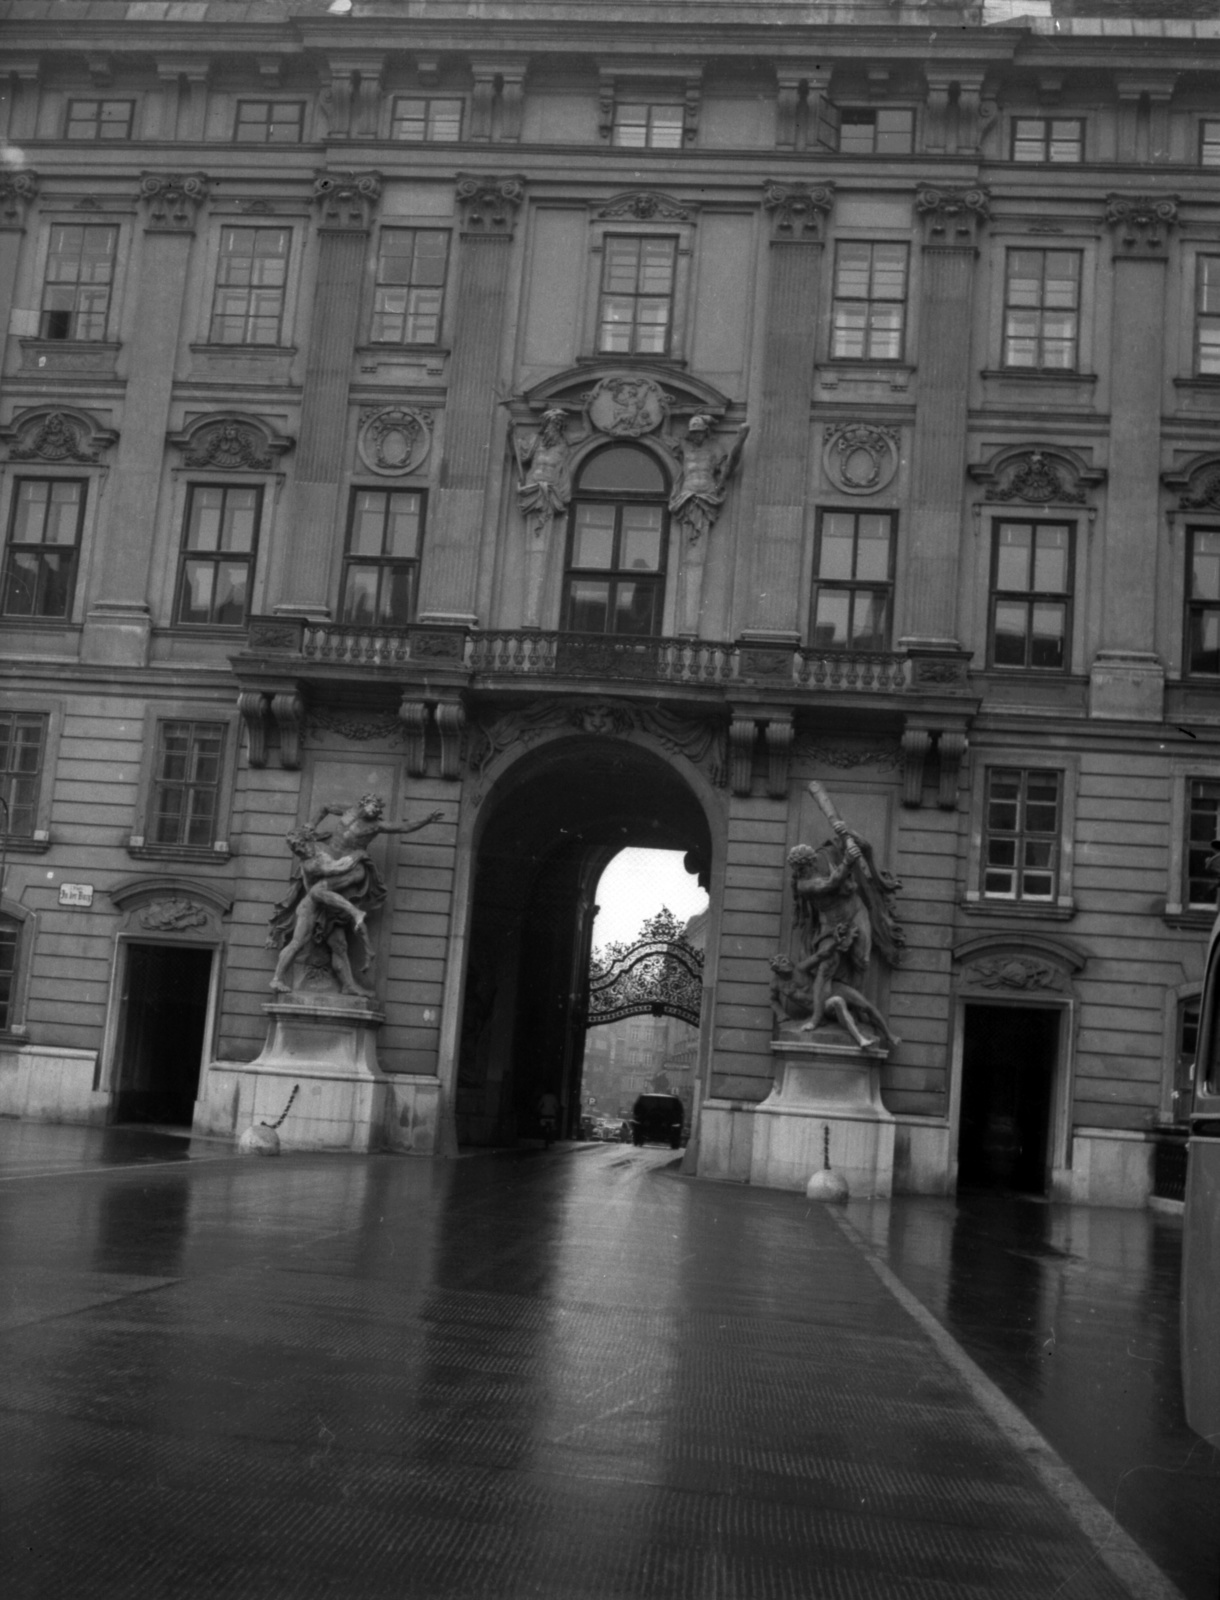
660	975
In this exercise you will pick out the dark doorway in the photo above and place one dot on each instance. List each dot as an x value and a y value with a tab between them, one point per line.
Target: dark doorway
1008	1072
550	828
162	1022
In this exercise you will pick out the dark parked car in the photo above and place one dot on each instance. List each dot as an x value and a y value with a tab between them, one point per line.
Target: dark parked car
657	1119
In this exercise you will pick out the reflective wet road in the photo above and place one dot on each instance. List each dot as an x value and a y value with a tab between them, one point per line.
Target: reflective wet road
573	1374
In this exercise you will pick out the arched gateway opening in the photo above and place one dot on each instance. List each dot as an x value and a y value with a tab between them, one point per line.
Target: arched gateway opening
550	827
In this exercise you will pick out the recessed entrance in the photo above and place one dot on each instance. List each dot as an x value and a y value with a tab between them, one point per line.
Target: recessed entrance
1009	1056
161	1030
552	825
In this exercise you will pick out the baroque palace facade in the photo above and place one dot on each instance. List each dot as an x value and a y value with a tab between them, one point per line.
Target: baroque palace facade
289	292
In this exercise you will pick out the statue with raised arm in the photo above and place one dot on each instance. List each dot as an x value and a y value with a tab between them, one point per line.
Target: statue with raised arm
335	885
704	470
544	462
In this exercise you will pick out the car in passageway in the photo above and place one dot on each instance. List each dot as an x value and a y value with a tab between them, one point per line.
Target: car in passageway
657	1119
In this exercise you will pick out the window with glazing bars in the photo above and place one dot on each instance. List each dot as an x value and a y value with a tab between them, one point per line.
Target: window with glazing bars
1031	594
870	291
635	311
1055	139
853	567
23	740
248	305
79	278
1021	834
381	564
1202	826
1207	317
1203	602
9	939
43	545
615	579
99	119
269	121
1209	143
880	131
218	551
426	119
1042	309
186	783
641	125
409	293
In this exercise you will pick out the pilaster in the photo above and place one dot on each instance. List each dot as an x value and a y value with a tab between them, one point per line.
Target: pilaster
18	191
488	209
952	220
780	472
118	624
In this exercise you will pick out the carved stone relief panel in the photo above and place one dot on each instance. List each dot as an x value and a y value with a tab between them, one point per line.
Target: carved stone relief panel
860	457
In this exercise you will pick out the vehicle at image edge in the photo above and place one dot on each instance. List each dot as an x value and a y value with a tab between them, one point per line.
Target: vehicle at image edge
657	1119
1201	1222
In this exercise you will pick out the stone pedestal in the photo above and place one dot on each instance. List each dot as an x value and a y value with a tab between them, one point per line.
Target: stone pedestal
825	1083
327	1045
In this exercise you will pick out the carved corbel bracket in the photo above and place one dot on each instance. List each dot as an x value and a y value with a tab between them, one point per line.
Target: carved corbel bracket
951	751
918	744
488	205
18	191
743	731
952	218
254	708
450	718
1141	224
799	211
288	709
346	201
172	200
778	734
413	714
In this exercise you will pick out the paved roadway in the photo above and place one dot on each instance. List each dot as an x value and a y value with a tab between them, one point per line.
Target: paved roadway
568	1375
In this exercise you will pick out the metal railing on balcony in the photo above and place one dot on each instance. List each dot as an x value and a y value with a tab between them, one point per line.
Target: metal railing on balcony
521	653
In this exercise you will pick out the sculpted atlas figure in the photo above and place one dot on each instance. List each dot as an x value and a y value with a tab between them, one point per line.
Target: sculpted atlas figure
843	905
335	885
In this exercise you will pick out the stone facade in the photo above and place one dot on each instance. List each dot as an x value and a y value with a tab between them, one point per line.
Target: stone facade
288	293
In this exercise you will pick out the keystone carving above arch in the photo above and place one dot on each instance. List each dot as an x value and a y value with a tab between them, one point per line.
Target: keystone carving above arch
1038	475
231	441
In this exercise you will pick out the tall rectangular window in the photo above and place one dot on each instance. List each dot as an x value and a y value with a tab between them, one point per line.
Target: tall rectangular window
80	275
269	121
410	290
43	545
99	119
883	131
1209	143
853	565
9	939
635	311
218	551
186	783
248	305
1042	309
616	568
381	564
426	119
1202	826
1055	139
1021	834
1031	592
651	125
1203	602
1207	317
23	740
870	292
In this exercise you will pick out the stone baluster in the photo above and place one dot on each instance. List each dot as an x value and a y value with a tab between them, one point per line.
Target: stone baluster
118	623
474	432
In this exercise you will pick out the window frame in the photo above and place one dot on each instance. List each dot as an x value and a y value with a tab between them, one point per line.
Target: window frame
1031	597
186	554
51	710
24	923
854	584
1007	365
1021	836
378	255
658	580
1029	758
604	295
852	112
99	121
1193	607
1209	318
215	315
10	775
384	563
220	848
1208	140
428	101
601	229
44	618
74	336
1209	908
649	105
838	300
272	106
1047	141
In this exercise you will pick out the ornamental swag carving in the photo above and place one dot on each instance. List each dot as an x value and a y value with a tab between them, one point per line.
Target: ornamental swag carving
56	436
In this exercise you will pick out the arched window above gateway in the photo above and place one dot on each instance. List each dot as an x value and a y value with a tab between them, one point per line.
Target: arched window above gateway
618	534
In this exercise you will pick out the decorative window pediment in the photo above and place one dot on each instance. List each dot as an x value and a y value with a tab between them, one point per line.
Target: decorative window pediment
1037	475
1015	964
231	442
645	205
52	435
163	905
624	402
1196	483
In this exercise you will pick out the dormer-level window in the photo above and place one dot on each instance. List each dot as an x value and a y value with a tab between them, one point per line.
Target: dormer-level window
1053	139
880	131
426	119
99	119
647	125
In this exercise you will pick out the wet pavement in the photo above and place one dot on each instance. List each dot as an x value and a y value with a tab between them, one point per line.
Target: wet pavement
566	1374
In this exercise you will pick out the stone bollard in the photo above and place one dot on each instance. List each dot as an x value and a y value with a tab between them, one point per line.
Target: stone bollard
260	1138
828	1185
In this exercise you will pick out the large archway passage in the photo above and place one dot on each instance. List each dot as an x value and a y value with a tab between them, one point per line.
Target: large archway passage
550	827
